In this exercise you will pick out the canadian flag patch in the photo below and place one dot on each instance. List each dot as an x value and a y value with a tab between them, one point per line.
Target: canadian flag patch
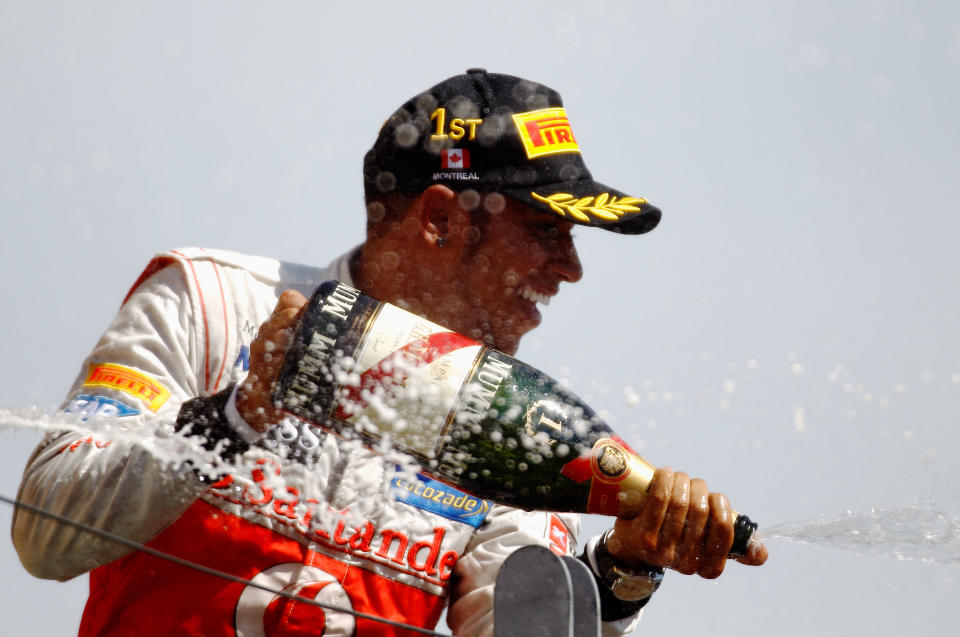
454	158
558	535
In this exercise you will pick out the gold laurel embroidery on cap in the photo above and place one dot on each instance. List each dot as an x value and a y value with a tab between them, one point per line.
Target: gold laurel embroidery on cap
602	206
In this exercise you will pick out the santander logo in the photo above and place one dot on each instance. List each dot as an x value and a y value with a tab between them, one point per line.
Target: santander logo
262	613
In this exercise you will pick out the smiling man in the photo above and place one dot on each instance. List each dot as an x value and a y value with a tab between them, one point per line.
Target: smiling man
473	188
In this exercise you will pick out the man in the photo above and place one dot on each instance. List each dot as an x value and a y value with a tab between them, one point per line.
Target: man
472	188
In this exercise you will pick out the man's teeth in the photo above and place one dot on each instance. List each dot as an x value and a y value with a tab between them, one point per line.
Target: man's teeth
536	297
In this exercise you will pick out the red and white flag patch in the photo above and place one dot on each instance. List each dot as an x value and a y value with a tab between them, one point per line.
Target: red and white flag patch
454	158
558	535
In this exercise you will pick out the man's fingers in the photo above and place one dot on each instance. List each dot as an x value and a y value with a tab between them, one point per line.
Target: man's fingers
266	354
756	555
719	537
290	299
672	529
691	540
655	503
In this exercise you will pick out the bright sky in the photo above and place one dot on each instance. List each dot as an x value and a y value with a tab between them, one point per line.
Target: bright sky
788	333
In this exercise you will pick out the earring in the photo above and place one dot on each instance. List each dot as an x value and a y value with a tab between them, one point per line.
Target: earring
441	242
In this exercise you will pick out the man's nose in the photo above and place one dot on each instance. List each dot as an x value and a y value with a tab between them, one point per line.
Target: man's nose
566	263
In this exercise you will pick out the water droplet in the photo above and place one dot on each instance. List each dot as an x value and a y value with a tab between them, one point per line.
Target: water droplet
494	203
469	199
881	85
406	135
799	419
386	181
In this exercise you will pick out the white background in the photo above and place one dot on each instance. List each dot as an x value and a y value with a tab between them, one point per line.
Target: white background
789	332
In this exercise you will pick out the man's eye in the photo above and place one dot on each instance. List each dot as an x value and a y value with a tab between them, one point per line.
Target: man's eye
546	229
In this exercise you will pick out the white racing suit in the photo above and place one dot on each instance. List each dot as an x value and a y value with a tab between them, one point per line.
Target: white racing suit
301	510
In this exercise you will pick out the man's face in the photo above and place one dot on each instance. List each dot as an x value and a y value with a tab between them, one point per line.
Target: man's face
515	262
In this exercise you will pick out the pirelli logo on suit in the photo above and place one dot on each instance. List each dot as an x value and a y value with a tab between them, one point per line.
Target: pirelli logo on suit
128	381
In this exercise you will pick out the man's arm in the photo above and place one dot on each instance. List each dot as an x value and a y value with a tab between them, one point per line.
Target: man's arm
127	475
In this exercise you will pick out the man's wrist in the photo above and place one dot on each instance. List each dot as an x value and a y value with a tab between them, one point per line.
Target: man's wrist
634	583
216	421
612	608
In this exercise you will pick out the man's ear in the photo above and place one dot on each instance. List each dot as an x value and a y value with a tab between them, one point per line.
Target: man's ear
439	212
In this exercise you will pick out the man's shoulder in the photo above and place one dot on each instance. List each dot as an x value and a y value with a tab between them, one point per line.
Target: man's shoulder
205	267
266	269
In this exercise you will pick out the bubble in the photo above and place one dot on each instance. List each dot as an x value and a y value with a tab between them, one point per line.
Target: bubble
570	172
469	199
222	180
64	174
565	23
386	181
865	131
153	130
875	11
426	103
406	135
376	212
389	260
752	365
12	187
812	54
797	368
729	386
881	85
494	203
679	9
799	419
471	234
463	107
36	174
592	8
100	161
491	130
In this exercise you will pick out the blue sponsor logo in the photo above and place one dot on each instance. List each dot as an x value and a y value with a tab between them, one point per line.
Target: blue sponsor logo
243	358
98	406
441	499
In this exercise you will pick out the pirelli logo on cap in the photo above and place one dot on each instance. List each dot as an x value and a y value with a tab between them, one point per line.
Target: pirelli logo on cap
546	132
129	381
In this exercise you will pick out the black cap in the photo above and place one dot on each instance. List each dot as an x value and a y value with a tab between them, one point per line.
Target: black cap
498	133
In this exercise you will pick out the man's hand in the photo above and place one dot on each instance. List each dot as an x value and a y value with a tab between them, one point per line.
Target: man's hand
681	526
266	356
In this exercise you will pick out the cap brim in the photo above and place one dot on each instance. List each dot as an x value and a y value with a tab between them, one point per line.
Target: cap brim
590	203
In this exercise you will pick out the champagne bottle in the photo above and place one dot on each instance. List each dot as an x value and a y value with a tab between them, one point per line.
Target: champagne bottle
471	416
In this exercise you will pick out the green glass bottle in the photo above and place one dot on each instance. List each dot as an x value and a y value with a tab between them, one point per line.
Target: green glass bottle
472	416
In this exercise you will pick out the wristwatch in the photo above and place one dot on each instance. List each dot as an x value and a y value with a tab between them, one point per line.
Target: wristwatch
629	584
